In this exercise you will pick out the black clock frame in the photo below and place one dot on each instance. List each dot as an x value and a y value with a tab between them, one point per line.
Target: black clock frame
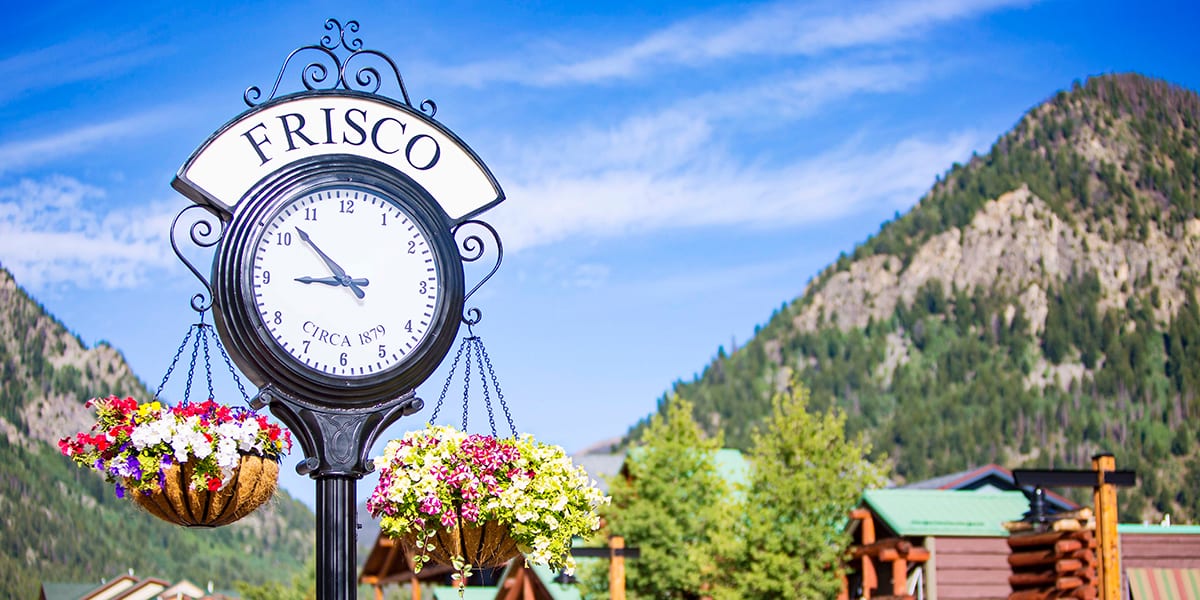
253	348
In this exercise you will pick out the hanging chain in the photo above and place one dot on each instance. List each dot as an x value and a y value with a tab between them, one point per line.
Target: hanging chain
446	386
466	386
487	399
187	390
203	336
499	395
207	361
473	344
175	360
232	371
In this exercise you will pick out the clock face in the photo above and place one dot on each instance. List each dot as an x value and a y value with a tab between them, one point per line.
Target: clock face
344	281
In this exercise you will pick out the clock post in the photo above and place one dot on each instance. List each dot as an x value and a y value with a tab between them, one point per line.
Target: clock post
338	216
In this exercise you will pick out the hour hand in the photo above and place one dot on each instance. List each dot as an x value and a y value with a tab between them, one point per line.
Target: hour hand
359	281
339	273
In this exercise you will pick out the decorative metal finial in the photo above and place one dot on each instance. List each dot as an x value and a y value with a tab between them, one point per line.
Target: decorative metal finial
316	75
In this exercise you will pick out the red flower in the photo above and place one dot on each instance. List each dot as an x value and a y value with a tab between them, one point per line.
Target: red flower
214	484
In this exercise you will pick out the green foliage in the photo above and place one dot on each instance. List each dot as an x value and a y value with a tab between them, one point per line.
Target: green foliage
65	524
806	477
59	523
672	503
302	587
959	378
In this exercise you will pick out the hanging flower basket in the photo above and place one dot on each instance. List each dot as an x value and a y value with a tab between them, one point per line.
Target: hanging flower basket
487	544
253	483
195	464
477	500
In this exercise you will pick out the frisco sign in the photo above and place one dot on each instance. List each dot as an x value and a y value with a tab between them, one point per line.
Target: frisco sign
314	124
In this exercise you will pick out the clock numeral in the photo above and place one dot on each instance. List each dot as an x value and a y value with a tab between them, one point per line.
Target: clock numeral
343	359
347	206
278	319
382	351
408	326
423	287
306	343
384	223
283	239
266	277
310	213
412	247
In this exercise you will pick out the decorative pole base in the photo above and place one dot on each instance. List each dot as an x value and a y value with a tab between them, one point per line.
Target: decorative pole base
336	444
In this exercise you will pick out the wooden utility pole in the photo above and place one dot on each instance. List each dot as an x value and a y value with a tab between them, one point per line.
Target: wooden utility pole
1106	527
616	553
616	568
1104	479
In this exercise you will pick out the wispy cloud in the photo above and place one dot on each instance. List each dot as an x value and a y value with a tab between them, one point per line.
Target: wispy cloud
81	59
16	154
675	168
844	182
52	231
769	30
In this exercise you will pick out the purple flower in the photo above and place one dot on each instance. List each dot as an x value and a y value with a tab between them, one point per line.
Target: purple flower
120	489
134	467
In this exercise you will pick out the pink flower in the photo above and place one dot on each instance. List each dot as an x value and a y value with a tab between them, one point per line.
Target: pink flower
470	511
431	505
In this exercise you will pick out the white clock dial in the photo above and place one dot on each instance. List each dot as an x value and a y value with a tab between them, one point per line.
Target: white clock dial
344	281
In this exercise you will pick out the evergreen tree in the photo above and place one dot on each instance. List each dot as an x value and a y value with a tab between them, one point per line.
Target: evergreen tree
670	502
806	477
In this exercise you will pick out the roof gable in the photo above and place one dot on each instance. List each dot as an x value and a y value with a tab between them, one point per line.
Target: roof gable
988	478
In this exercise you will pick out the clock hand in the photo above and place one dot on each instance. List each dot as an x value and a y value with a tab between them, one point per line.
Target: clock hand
359	281
338	272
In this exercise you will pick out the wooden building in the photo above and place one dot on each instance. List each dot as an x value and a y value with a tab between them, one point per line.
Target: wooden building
931	544
1160	562
955	543
128	587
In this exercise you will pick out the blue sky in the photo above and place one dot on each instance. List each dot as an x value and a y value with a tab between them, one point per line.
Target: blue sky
675	171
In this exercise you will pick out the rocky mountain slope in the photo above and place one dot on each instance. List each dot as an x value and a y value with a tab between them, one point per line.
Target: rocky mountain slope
1038	305
61	523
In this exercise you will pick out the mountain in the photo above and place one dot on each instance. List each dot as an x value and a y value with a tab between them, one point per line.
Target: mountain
62	523
1037	306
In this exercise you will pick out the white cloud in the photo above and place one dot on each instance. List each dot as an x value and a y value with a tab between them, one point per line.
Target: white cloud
16	154
678	169
810	190
82	59
54	231
769	30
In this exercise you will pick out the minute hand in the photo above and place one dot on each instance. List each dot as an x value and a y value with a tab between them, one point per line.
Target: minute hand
338	272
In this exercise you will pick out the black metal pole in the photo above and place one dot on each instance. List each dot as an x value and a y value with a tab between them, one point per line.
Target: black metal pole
336	538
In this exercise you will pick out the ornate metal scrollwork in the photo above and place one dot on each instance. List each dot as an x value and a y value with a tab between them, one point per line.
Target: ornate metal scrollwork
472	248
204	234
316	75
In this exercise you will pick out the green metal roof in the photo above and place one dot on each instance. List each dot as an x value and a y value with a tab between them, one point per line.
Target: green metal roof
468	593
732	466
947	512
559	591
66	591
